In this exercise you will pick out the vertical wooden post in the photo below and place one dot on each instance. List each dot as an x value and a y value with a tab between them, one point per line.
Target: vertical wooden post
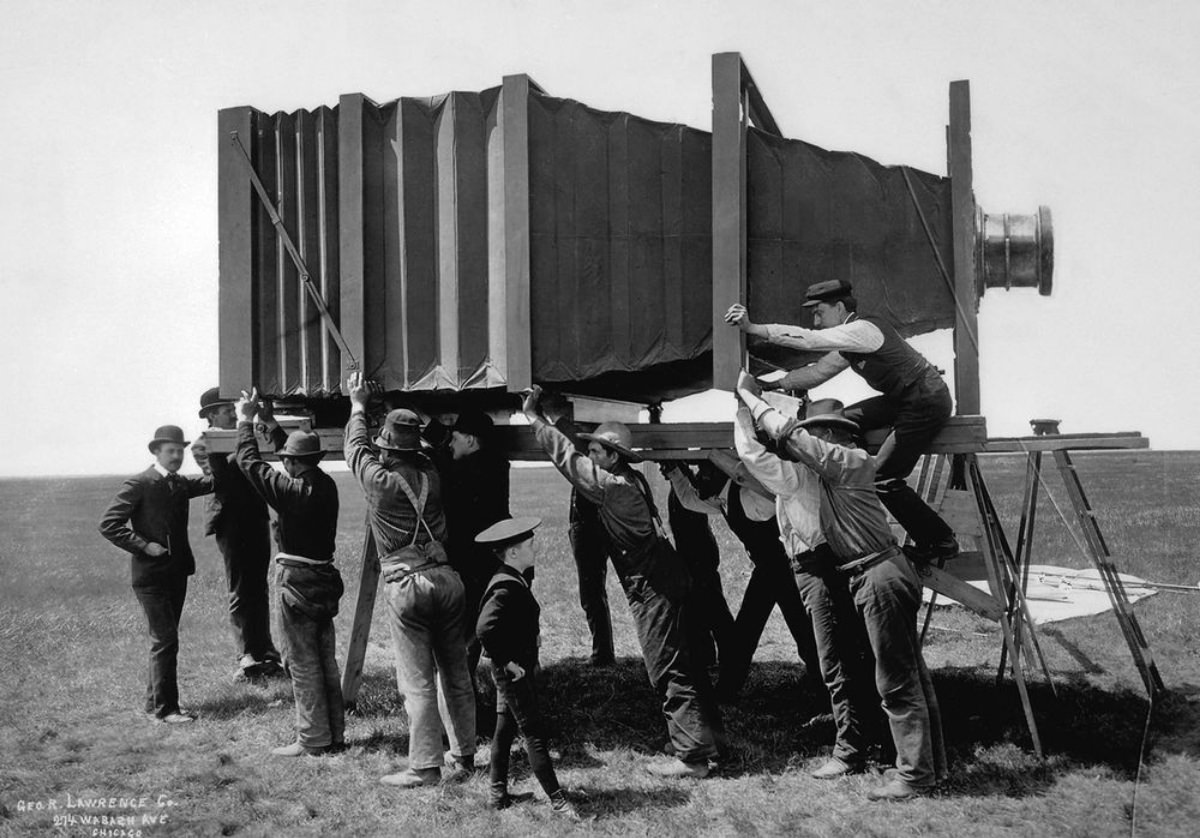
962	211
729	214
235	295
351	258
514	138
364	609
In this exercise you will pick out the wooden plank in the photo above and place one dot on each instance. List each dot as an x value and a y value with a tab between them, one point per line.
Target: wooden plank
728	215
448	206
352	296
1067	442
760	114
949	585
327	236
288	288
962	222
364	608
235	213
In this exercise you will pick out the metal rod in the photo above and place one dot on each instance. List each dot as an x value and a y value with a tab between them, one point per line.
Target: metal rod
305	277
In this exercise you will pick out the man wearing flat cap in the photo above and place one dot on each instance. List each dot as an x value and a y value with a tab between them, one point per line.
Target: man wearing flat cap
883	585
148	519
237	518
914	402
425	596
305	500
654	578
474	476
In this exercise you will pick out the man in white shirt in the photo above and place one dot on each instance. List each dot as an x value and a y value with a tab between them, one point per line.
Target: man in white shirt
915	401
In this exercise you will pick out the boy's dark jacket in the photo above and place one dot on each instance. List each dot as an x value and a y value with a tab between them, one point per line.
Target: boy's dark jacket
508	620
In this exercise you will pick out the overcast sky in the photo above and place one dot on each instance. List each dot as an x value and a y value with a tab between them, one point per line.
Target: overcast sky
108	223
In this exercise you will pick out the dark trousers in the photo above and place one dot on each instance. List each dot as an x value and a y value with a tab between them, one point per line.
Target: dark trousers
163	607
915	417
711	635
517	709
770	584
845	663
316	680
246	548
589	546
690	712
887	596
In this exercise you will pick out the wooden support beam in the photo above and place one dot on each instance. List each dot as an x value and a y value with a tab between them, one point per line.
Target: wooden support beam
1128	440
729	214
235	296
669	441
962	222
351	254
514	139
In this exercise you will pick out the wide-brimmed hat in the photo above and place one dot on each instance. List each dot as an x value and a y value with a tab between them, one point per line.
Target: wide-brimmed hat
401	431
476	423
167	433
302	445
509	531
827	292
615	436
211	399
827	412
819	407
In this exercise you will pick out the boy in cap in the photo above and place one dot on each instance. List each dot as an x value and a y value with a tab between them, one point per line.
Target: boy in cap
237	518
508	630
148	518
915	401
305	500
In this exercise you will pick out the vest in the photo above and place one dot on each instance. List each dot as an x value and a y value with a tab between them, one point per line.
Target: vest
892	367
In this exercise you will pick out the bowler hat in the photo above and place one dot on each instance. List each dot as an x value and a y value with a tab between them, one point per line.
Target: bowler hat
401	431
615	436
167	433
211	399
509	531
827	291
302	445
474	422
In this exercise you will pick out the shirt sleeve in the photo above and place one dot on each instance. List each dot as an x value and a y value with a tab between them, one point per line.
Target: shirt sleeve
591	480
272	486
775	475
853	336
688	497
835	463
815	374
114	524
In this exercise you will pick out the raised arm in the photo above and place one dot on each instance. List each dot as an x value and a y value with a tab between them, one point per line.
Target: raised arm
591	480
776	475
686	492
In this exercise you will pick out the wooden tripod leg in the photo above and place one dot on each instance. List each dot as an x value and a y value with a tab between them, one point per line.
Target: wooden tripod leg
1018	569
992	547
1113	586
368	587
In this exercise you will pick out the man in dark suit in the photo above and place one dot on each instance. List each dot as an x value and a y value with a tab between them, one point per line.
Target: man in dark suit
149	519
238	518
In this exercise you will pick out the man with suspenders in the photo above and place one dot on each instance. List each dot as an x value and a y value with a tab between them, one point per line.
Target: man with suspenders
426	598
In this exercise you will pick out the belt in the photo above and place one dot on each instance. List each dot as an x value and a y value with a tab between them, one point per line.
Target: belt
812	561
856	567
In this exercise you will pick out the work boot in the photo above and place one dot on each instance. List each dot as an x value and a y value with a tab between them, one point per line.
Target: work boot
176	718
836	768
296	749
935	553
413	778
500	798
679	768
894	789
562	805
461	768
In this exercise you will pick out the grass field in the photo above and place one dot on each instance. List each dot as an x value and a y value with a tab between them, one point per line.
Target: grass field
73	648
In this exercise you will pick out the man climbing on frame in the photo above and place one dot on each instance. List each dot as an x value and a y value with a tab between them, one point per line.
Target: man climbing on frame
915	401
